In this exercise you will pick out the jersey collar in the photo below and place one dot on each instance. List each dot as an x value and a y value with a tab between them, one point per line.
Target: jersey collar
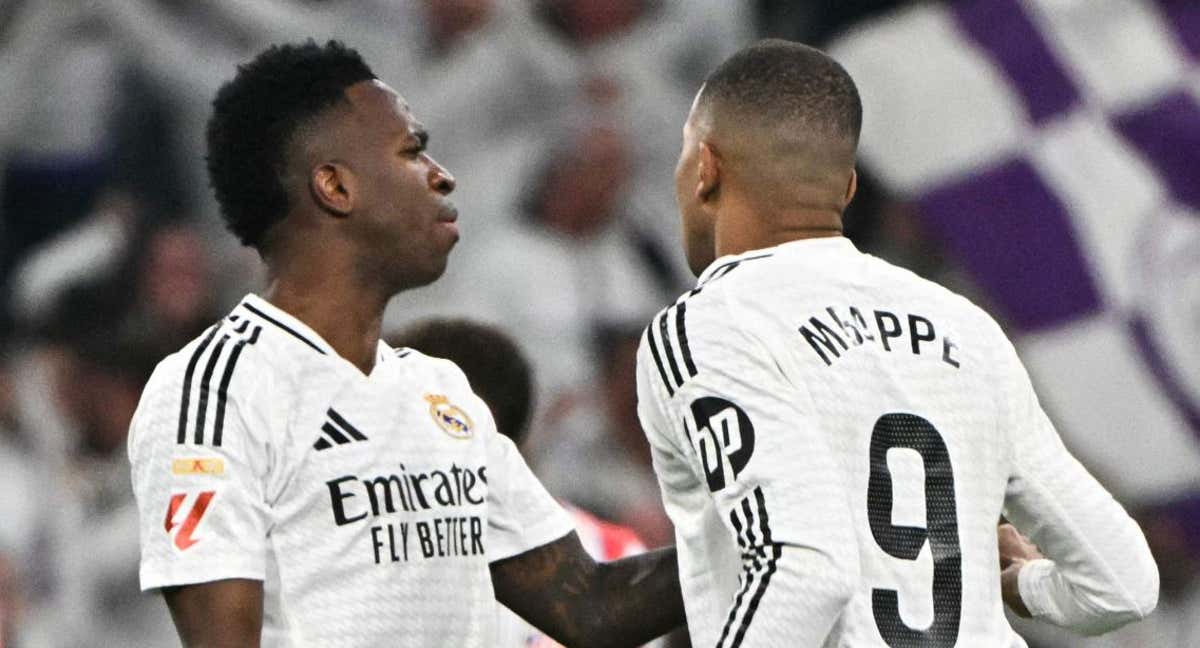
821	245
805	246
262	310
272	315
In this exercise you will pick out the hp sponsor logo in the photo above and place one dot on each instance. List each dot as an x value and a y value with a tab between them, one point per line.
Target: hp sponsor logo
723	437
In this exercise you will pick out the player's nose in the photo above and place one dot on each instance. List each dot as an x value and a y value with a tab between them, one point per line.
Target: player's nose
440	179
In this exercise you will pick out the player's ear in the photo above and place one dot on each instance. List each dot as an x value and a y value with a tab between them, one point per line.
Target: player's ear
851	187
333	188
709	181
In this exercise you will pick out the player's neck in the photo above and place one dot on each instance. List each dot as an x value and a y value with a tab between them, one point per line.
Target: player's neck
348	318
749	228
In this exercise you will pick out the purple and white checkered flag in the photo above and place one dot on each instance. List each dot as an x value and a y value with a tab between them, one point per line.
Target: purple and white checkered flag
1053	147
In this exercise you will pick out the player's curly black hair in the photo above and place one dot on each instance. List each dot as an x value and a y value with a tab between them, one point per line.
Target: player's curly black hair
254	118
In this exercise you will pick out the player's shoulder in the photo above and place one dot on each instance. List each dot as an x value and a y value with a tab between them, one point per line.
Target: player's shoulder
252	359
430	365
706	323
905	280
431	368
233	348
903	286
740	276
750	272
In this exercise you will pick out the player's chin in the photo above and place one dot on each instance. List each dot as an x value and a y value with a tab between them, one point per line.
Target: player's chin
426	275
437	266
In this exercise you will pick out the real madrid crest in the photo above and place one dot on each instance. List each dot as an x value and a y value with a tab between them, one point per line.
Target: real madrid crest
449	417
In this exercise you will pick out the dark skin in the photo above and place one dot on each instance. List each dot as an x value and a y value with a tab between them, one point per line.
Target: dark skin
369	219
237	602
577	601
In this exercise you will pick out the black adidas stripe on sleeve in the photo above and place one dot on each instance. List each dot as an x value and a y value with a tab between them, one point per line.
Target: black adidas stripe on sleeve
665	326
760	555
187	382
747	579
674	359
235	341
662	372
223	388
205	381
681	332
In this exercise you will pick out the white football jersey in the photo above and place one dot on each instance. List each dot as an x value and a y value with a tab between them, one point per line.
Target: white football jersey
836	440
369	506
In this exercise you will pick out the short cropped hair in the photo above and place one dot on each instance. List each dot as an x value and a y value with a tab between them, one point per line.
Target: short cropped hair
493	363
255	117
780	83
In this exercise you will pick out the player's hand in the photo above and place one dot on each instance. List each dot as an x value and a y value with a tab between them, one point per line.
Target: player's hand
1015	551
1015	547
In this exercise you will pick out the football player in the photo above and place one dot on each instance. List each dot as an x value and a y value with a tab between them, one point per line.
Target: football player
835	437
301	483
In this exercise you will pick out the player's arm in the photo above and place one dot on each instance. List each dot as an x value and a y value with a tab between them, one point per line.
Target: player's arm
768	467
541	571
202	504
220	614
562	591
1098	573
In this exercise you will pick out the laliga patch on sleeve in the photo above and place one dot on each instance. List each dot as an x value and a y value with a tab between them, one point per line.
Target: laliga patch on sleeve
183	530
198	466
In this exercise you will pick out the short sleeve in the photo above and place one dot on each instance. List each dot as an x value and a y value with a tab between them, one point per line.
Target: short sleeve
521	514
201	498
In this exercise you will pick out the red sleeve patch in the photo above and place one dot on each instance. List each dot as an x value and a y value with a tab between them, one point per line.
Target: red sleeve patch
184	530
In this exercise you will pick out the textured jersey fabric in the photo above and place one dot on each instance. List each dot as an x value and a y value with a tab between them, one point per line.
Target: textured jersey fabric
836	439
369	506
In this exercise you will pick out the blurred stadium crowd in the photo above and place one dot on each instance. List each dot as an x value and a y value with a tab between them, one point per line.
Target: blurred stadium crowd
1042	156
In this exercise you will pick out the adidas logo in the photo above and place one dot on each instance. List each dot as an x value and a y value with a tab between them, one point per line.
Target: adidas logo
337	430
